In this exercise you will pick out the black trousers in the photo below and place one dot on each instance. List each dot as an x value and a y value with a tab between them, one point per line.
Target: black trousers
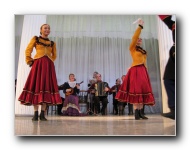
115	105
170	90
104	101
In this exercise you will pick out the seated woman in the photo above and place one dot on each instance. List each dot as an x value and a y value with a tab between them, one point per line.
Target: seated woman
71	103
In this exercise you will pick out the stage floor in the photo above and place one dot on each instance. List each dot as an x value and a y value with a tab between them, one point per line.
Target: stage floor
109	125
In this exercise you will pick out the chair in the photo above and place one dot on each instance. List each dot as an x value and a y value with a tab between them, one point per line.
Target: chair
51	108
83	96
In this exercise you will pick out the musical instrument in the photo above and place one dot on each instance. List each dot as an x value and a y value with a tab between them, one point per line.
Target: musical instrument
100	89
72	89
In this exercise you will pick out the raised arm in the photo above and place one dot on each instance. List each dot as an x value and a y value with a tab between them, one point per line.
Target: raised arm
136	34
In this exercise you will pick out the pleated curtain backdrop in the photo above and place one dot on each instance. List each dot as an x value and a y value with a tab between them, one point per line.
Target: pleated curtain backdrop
31	26
88	43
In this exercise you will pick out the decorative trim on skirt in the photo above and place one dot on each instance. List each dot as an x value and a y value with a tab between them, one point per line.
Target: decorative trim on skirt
136	87
41	85
71	106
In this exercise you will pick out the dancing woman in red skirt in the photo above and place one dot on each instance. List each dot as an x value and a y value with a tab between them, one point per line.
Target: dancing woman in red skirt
136	88
41	87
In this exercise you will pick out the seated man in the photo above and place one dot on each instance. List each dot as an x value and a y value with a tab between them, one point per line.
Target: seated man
91	95
123	104
100	91
113	91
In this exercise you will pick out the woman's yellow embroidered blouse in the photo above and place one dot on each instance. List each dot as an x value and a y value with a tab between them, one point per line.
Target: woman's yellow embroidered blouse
43	46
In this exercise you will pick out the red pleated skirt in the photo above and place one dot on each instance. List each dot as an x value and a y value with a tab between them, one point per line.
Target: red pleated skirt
41	85
136	87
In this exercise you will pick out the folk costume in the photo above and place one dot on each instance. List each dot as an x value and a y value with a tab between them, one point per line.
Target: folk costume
136	87
98	97
41	84
71	103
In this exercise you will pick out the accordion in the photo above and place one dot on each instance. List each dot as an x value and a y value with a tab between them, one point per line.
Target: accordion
99	89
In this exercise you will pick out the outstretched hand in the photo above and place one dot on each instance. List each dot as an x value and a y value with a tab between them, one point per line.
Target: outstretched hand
31	63
78	86
140	22
68	90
